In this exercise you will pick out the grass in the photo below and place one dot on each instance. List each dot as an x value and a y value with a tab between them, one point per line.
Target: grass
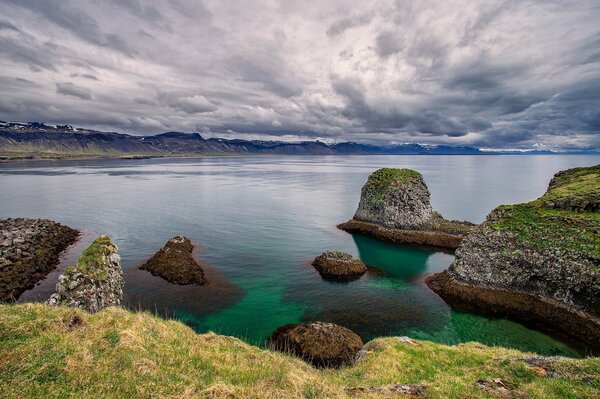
119	354
383	177
92	262
540	226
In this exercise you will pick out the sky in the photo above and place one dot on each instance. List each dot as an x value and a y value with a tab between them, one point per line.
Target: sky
493	74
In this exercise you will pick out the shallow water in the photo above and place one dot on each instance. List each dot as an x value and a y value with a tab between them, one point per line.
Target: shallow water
259	221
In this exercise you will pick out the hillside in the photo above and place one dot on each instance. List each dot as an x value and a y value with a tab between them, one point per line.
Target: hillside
35	140
61	352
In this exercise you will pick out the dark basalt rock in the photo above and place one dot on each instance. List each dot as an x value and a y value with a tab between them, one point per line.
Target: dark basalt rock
395	206
339	266
325	345
537	262
174	262
29	250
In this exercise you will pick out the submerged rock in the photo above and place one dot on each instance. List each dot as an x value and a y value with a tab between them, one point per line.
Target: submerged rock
322	344
538	262
29	250
95	282
339	266
395	206
174	262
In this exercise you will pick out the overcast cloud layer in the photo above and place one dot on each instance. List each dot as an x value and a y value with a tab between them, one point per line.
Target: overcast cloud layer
503	74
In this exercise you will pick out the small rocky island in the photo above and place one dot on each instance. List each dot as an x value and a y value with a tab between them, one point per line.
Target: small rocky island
95	282
174	262
339	266
29	250
395	206
325	345
538	262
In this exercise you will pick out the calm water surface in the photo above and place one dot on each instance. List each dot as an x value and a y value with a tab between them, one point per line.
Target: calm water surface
259	221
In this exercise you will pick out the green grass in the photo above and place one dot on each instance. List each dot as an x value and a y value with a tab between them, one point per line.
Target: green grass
383	177
581	186
92	262
119	354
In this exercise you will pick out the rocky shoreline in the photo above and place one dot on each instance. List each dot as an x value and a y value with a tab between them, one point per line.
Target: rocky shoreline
395	207
29	250
537	262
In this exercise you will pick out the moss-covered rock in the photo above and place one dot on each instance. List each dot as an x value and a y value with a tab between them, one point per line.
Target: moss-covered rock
547	250
394	200
95	282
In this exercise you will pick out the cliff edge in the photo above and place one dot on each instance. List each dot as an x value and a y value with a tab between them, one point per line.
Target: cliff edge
538	262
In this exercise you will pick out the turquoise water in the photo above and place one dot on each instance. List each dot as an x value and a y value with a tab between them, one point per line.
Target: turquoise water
259	221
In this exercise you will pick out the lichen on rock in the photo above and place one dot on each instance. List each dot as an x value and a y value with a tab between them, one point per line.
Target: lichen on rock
538	261
95	282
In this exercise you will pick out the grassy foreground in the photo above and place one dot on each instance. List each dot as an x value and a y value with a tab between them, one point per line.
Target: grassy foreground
61	352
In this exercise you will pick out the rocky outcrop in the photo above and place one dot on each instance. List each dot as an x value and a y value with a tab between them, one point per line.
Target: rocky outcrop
174	262
395	206
538	262
95	282
339	266
29	250
322	344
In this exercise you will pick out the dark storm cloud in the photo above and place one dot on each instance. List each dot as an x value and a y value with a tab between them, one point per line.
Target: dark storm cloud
499	74
69	89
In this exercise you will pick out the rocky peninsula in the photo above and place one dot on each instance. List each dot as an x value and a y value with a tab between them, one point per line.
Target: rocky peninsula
339	266
29	250
95	282
174	262
395	206
538	262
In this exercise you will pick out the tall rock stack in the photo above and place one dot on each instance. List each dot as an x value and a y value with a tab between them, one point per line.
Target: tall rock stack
538	262
395	206
95	282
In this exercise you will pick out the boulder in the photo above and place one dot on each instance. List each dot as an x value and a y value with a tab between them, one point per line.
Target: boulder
325	345
339	266
95	282
395	206
538	262
174	262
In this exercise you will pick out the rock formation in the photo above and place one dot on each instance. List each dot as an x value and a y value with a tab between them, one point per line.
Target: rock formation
174	262
95	282
322	344
29	250
394	206
538	262
339	266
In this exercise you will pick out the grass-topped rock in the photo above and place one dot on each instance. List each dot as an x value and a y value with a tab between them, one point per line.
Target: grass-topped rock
538	261
321	344
395	206
339	266
95	282
174	262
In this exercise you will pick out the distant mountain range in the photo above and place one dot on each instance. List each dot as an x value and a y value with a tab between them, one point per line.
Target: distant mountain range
32	140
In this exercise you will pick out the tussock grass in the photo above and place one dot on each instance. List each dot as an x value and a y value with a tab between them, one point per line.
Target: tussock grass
61	352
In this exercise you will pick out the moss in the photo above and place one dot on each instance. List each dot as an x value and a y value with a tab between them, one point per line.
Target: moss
117	353
556	220
383	177
93	260
545	229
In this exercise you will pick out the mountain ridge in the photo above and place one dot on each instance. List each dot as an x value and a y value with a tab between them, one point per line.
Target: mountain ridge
31	140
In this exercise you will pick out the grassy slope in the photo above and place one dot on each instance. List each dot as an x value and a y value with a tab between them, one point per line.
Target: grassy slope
116	353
